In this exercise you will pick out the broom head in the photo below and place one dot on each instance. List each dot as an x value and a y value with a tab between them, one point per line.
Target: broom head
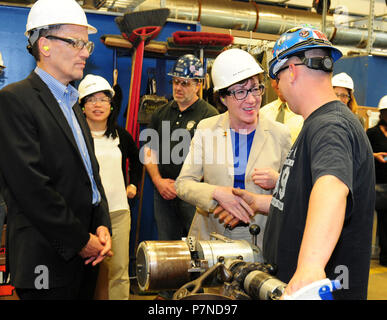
141	19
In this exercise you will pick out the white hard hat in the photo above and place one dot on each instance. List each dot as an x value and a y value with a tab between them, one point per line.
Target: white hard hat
51	12
92	84
382	103
1	61
232	66
343	80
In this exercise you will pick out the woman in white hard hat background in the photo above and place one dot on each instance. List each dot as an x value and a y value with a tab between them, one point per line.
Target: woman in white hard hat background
228	147
114	146
378	139
344	88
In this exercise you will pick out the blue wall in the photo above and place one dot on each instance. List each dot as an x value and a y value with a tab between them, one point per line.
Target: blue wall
369	76
19	63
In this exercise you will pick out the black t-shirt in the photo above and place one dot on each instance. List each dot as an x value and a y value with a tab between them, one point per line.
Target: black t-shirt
175	130
379	144
331	142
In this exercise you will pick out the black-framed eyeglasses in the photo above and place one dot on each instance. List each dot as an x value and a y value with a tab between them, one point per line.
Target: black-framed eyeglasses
76	43
284	68
343	96
241	94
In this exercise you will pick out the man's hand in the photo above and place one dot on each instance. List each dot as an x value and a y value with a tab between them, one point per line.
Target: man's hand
248	197
233	204
380	156
266	178
166	188
131	191
91	249
98	247
226	218
303	276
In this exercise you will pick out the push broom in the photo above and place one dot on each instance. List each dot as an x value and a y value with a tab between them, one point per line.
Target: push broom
139	28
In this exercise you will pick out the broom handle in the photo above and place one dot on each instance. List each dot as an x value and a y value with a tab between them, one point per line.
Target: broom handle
136	93
138	225
136	89
133	99
139	61
115	70
128	112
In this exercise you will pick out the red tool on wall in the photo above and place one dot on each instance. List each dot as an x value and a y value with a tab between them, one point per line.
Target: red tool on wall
202	41
139	28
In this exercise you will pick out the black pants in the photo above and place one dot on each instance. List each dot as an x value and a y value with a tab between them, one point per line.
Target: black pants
81	288
3	210
381	210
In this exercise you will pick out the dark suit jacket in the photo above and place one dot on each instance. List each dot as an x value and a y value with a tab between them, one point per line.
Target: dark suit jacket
45	185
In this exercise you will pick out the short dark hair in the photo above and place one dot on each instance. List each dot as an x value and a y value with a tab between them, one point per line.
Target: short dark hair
111	126
34	48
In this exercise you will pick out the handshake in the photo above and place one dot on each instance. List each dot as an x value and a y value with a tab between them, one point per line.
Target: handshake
237	206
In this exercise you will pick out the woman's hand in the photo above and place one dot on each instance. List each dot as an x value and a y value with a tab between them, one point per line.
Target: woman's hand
232	203
266	178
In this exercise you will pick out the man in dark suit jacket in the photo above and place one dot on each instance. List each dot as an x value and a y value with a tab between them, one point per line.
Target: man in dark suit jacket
58	226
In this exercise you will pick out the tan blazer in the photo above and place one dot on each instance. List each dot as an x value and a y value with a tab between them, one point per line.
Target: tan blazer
210	163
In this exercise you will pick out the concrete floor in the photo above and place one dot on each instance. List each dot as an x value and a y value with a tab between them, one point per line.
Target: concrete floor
377	284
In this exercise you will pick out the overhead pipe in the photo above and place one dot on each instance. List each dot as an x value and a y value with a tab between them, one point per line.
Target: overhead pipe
249	16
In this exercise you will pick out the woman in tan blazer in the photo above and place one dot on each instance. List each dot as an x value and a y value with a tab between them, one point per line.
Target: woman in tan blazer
233	149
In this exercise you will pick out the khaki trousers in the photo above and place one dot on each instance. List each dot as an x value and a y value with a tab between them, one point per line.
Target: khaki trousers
113	279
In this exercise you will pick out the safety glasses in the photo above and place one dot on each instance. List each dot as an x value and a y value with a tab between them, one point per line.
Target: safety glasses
76	43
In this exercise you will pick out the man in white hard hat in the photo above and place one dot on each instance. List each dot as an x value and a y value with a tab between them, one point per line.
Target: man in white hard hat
58	221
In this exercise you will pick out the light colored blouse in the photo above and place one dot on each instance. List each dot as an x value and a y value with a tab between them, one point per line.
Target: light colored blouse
109	158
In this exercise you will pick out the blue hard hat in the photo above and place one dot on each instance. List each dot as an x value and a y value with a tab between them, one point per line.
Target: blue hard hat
297	40
189	67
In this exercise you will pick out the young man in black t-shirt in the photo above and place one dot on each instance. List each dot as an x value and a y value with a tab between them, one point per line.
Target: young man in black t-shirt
321	213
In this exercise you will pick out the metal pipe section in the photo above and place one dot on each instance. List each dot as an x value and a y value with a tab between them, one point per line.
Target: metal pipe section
249	16
371	26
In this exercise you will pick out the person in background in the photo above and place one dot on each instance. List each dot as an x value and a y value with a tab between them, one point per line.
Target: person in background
114	146
226	150
320	216
175	125
58	225
344	88
279	110
3	211
378	138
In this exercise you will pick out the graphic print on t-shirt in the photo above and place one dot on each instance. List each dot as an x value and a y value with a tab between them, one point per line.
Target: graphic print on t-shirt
280	187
